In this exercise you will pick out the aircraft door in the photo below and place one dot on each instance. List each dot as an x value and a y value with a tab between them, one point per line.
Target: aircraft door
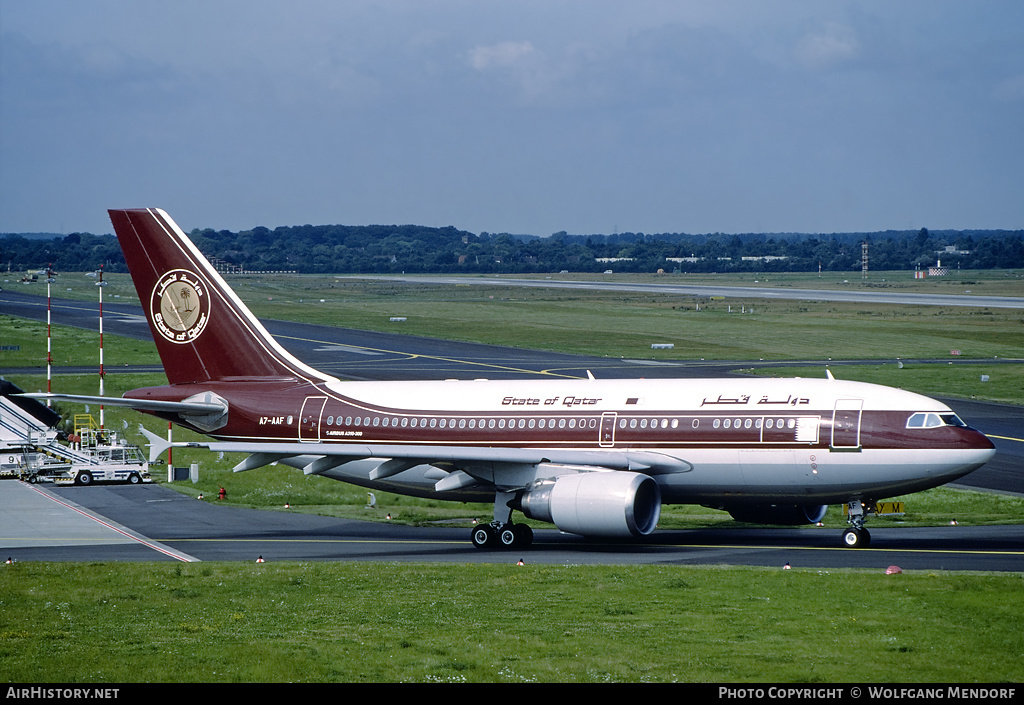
846	424
607	438
309	419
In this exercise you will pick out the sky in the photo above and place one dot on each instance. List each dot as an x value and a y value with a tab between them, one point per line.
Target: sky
518	116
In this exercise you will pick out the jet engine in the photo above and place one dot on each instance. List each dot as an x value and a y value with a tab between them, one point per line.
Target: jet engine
612	504
785	514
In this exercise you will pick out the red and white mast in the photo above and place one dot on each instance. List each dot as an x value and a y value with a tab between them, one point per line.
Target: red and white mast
101	284
49	351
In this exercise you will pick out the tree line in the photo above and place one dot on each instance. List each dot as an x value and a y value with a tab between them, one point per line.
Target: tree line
384	249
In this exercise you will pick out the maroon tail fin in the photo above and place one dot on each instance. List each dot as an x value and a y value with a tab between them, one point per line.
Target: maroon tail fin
202	330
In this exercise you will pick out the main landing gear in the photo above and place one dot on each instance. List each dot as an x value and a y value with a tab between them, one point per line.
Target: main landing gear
496	535
502	533
857	536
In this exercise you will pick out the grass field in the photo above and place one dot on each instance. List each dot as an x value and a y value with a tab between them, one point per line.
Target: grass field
1004	383
372	622
625	325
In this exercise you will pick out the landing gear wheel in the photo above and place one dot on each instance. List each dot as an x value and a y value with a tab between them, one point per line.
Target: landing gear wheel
508	536
856	538
524	535
515	536
484	537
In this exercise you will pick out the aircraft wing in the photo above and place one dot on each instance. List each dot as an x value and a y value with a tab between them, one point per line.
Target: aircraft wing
498	466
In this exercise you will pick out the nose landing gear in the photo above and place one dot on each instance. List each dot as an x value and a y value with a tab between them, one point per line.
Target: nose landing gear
857	536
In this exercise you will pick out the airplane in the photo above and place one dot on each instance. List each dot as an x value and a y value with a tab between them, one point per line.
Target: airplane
596	458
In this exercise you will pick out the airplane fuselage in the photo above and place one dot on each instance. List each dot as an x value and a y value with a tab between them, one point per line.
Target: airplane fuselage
726	440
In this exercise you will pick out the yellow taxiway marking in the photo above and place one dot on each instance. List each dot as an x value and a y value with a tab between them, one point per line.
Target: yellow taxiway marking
1005	438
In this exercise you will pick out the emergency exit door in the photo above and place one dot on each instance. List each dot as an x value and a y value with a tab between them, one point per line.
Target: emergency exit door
309	418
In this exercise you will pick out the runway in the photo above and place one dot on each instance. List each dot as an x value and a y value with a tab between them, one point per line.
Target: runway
155	523
743	292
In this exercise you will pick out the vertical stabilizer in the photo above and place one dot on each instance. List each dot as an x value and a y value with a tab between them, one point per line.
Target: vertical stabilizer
202	330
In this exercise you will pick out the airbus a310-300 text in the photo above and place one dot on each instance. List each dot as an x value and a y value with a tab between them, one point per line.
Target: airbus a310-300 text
597	458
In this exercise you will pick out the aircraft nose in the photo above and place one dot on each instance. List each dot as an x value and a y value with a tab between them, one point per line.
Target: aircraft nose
978	442
977	439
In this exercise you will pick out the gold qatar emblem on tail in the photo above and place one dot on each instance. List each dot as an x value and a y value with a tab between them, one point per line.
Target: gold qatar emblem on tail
180	306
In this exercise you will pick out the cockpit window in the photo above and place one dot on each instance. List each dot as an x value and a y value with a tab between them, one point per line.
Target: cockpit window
931	420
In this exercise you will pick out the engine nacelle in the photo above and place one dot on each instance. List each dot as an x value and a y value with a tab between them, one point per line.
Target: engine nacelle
609	504
785	514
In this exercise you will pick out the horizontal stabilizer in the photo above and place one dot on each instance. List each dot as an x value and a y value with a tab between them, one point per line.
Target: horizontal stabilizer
179	407
157	445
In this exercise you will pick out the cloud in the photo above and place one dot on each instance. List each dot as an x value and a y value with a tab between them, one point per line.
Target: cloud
533	77
501	55
832	44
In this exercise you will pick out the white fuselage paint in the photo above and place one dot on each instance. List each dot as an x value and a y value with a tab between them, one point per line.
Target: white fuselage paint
741	463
